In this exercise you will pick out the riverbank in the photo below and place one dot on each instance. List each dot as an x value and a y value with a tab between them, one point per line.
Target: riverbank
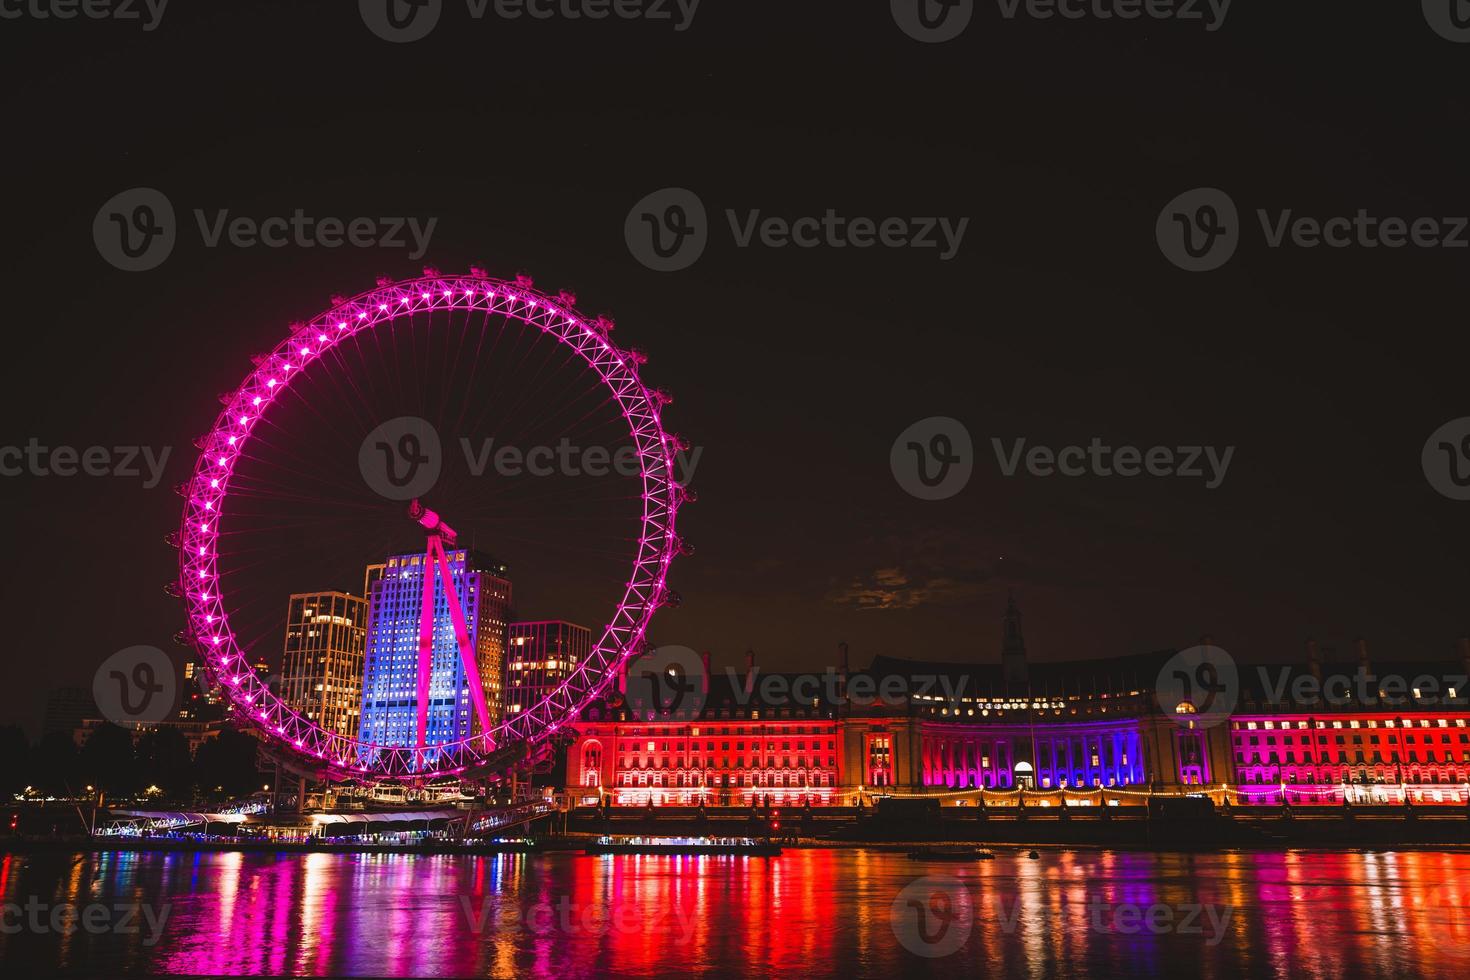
1219	834
1130	828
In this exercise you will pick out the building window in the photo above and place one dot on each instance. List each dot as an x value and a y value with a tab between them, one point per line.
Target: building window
880	760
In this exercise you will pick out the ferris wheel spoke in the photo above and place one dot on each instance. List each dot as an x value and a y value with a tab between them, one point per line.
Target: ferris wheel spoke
264	499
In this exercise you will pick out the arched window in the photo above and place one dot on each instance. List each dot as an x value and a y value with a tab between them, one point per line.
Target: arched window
592	764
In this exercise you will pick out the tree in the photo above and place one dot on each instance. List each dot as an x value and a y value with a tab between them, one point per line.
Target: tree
163	760
226	765
54	765
107	761
14	761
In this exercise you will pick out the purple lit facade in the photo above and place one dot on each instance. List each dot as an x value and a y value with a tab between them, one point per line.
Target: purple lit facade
960	756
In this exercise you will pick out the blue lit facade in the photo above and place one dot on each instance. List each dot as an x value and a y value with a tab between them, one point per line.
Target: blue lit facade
390	675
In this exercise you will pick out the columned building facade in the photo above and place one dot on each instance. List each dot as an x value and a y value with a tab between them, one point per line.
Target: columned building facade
739	748
910	727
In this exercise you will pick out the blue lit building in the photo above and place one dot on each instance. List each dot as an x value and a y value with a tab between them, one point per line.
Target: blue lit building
390	671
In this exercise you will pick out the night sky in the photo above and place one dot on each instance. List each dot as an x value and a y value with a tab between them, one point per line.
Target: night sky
1059	320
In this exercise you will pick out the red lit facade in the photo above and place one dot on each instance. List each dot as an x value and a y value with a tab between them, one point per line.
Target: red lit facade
736	752
1077	726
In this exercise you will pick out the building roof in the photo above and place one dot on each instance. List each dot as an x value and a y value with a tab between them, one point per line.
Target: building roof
1133	672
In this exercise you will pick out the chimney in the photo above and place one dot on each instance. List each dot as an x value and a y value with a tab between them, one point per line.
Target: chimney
1465	653
704	673
1361	645
1314	659
842	670
749	671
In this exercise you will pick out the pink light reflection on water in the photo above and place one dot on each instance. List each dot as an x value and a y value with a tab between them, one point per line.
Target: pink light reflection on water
807	913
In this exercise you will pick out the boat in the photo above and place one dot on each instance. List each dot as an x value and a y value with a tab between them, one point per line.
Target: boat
951	853
737	846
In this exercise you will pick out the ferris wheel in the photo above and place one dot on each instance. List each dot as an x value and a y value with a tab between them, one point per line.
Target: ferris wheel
270	495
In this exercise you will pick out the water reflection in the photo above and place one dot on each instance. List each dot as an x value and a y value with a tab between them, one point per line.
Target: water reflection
818	912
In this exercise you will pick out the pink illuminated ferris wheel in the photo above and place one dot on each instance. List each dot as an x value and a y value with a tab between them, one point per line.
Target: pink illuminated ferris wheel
276	505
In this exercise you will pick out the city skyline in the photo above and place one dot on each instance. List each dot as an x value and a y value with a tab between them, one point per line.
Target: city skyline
637	487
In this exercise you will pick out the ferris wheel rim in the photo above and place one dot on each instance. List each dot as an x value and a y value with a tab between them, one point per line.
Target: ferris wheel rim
338	757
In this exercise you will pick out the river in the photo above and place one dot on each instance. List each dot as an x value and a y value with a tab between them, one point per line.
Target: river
807	913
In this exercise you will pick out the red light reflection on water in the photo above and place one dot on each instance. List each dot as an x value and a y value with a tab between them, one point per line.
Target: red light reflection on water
807	912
